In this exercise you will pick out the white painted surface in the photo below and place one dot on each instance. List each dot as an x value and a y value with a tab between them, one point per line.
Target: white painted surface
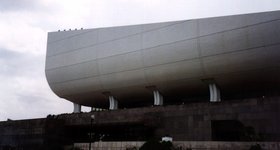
233	50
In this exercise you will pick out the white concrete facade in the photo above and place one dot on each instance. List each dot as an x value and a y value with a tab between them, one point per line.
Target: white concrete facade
233	50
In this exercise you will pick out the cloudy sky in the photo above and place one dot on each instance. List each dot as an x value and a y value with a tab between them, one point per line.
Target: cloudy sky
24	92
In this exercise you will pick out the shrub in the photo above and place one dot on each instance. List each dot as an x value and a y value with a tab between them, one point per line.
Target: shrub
131	148
256	147
156	145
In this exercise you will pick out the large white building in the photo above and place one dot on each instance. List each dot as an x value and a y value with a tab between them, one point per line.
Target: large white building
160	62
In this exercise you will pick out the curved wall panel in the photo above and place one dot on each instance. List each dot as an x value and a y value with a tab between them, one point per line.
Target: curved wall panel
173	56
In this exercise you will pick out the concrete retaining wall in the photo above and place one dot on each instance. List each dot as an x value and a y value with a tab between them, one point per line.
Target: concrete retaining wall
192	121
185	122
182	145
109	145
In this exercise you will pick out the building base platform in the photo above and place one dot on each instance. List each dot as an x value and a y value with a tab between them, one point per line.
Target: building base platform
254	119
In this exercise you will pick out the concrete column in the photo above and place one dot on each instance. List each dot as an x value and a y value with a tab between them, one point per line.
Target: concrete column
113	103
77	108
158	99
214	93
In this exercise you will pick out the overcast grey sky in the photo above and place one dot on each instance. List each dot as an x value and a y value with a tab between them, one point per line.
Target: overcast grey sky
24	92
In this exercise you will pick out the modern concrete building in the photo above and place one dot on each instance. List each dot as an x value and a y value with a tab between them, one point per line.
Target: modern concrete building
162	63
214	80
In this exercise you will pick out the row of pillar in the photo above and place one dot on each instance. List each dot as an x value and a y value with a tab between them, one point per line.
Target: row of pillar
158	98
